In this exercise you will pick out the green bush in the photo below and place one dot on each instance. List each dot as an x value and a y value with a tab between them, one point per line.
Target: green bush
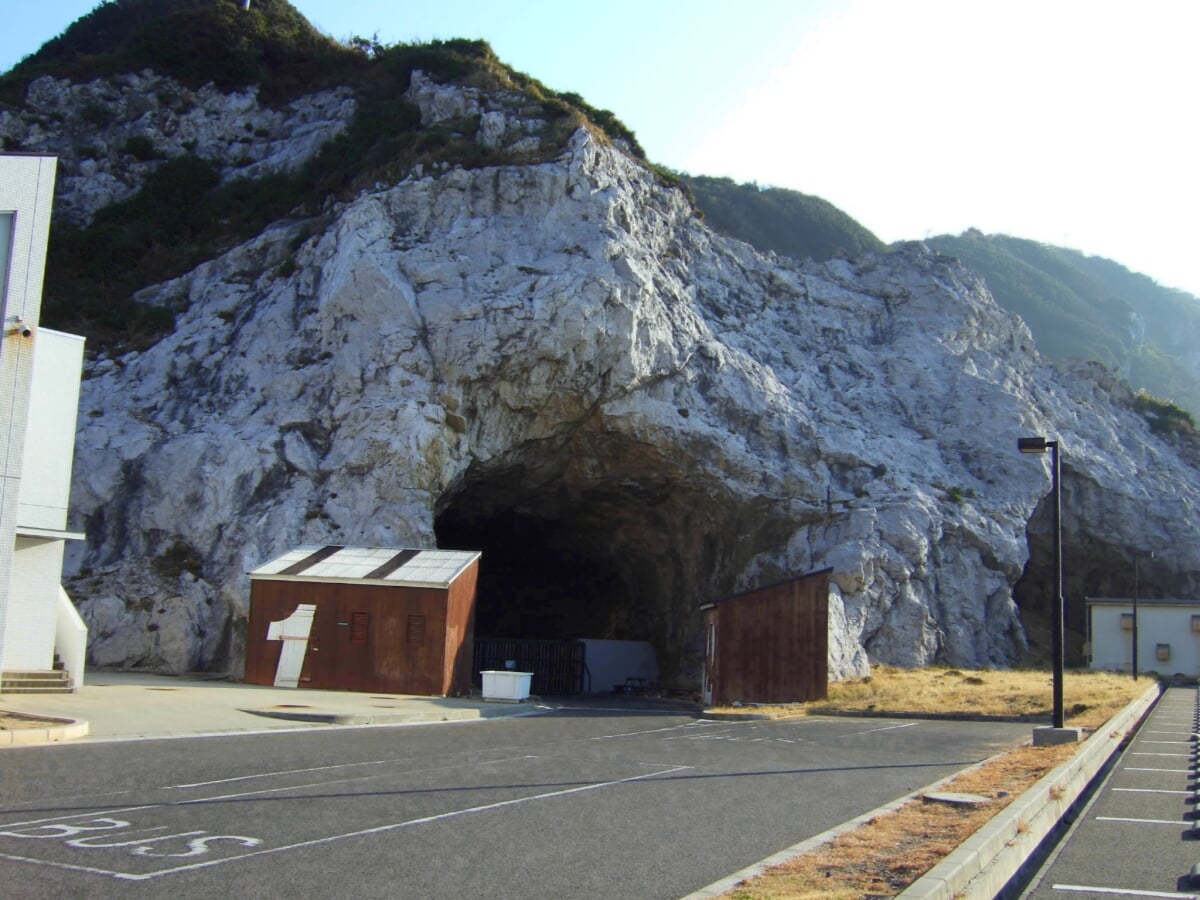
1163	415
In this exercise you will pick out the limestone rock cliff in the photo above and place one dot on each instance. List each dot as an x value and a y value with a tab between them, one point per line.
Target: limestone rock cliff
557	363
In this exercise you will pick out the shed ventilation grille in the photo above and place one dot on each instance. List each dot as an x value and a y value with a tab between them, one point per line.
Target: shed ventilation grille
416	629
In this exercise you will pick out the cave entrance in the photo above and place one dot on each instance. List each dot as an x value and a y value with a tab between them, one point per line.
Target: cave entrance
560	562
613	543
603	535
543	576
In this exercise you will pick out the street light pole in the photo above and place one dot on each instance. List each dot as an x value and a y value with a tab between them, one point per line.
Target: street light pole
1134	660
1040	445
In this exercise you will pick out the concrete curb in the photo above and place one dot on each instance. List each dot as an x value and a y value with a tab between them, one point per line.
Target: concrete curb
56	730
992	849
983	864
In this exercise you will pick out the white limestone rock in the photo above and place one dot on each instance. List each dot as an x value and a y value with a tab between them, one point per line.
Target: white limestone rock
89	126
569	337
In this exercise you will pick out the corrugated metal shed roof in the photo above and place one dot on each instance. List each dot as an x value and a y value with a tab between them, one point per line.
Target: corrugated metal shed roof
380	565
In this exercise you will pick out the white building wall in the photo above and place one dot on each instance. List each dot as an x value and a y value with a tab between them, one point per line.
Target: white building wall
26	193
1112	645
50	431
611	663
33	607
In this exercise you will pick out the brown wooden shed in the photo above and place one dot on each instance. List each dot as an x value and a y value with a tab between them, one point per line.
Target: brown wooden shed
770	645
364	619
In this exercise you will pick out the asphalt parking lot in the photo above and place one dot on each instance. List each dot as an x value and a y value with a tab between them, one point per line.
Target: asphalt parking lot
1137	836
573	803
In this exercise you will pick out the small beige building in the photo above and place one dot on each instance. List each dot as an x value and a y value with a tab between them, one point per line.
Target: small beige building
1168	635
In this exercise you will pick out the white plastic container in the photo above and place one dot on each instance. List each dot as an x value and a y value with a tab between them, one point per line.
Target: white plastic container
506	687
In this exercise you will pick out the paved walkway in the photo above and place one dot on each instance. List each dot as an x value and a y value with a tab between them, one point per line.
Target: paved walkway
1137	837
127	706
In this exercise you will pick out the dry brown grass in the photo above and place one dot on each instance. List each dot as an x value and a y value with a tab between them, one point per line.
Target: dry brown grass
886	855
1089	698
893	850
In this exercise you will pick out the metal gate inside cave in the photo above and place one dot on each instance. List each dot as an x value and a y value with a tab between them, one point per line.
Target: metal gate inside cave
558	667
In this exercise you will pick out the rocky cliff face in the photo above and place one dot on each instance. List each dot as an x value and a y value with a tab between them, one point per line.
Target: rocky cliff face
109	133
558	364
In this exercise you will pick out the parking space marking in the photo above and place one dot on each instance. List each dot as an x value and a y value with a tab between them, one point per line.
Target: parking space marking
1124	892
1171	755
296	787
686	725
373	762
393	826
1140	769
1143	821
168	845
1146	791
886	728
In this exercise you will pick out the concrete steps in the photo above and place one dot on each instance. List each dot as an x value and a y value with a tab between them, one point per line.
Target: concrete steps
39	681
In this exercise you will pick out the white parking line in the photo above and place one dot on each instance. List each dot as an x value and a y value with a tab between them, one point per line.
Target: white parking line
1147	791
372	762
1172	755
1124	892
1171	771
1143	821
57	829
379	829
886	728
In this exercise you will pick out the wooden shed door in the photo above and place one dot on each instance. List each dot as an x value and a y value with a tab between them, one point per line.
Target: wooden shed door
339	658
293	632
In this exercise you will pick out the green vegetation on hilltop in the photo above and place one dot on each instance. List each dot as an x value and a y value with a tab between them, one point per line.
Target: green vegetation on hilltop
184	214
788	222
1090	308
194	42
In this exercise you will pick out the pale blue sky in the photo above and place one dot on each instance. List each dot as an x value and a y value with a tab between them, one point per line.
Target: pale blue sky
1071	122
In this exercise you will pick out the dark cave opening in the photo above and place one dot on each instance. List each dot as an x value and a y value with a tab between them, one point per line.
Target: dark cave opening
539	577
604	538
563	557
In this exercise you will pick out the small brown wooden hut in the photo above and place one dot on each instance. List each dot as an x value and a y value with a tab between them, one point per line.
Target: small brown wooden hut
769	645
364	619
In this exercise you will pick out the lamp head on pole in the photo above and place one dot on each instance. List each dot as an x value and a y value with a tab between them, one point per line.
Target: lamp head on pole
1034	444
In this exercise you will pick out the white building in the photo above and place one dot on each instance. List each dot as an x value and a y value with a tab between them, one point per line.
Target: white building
39	398
1168	635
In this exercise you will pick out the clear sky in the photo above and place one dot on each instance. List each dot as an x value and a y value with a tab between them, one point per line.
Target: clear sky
1073	122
